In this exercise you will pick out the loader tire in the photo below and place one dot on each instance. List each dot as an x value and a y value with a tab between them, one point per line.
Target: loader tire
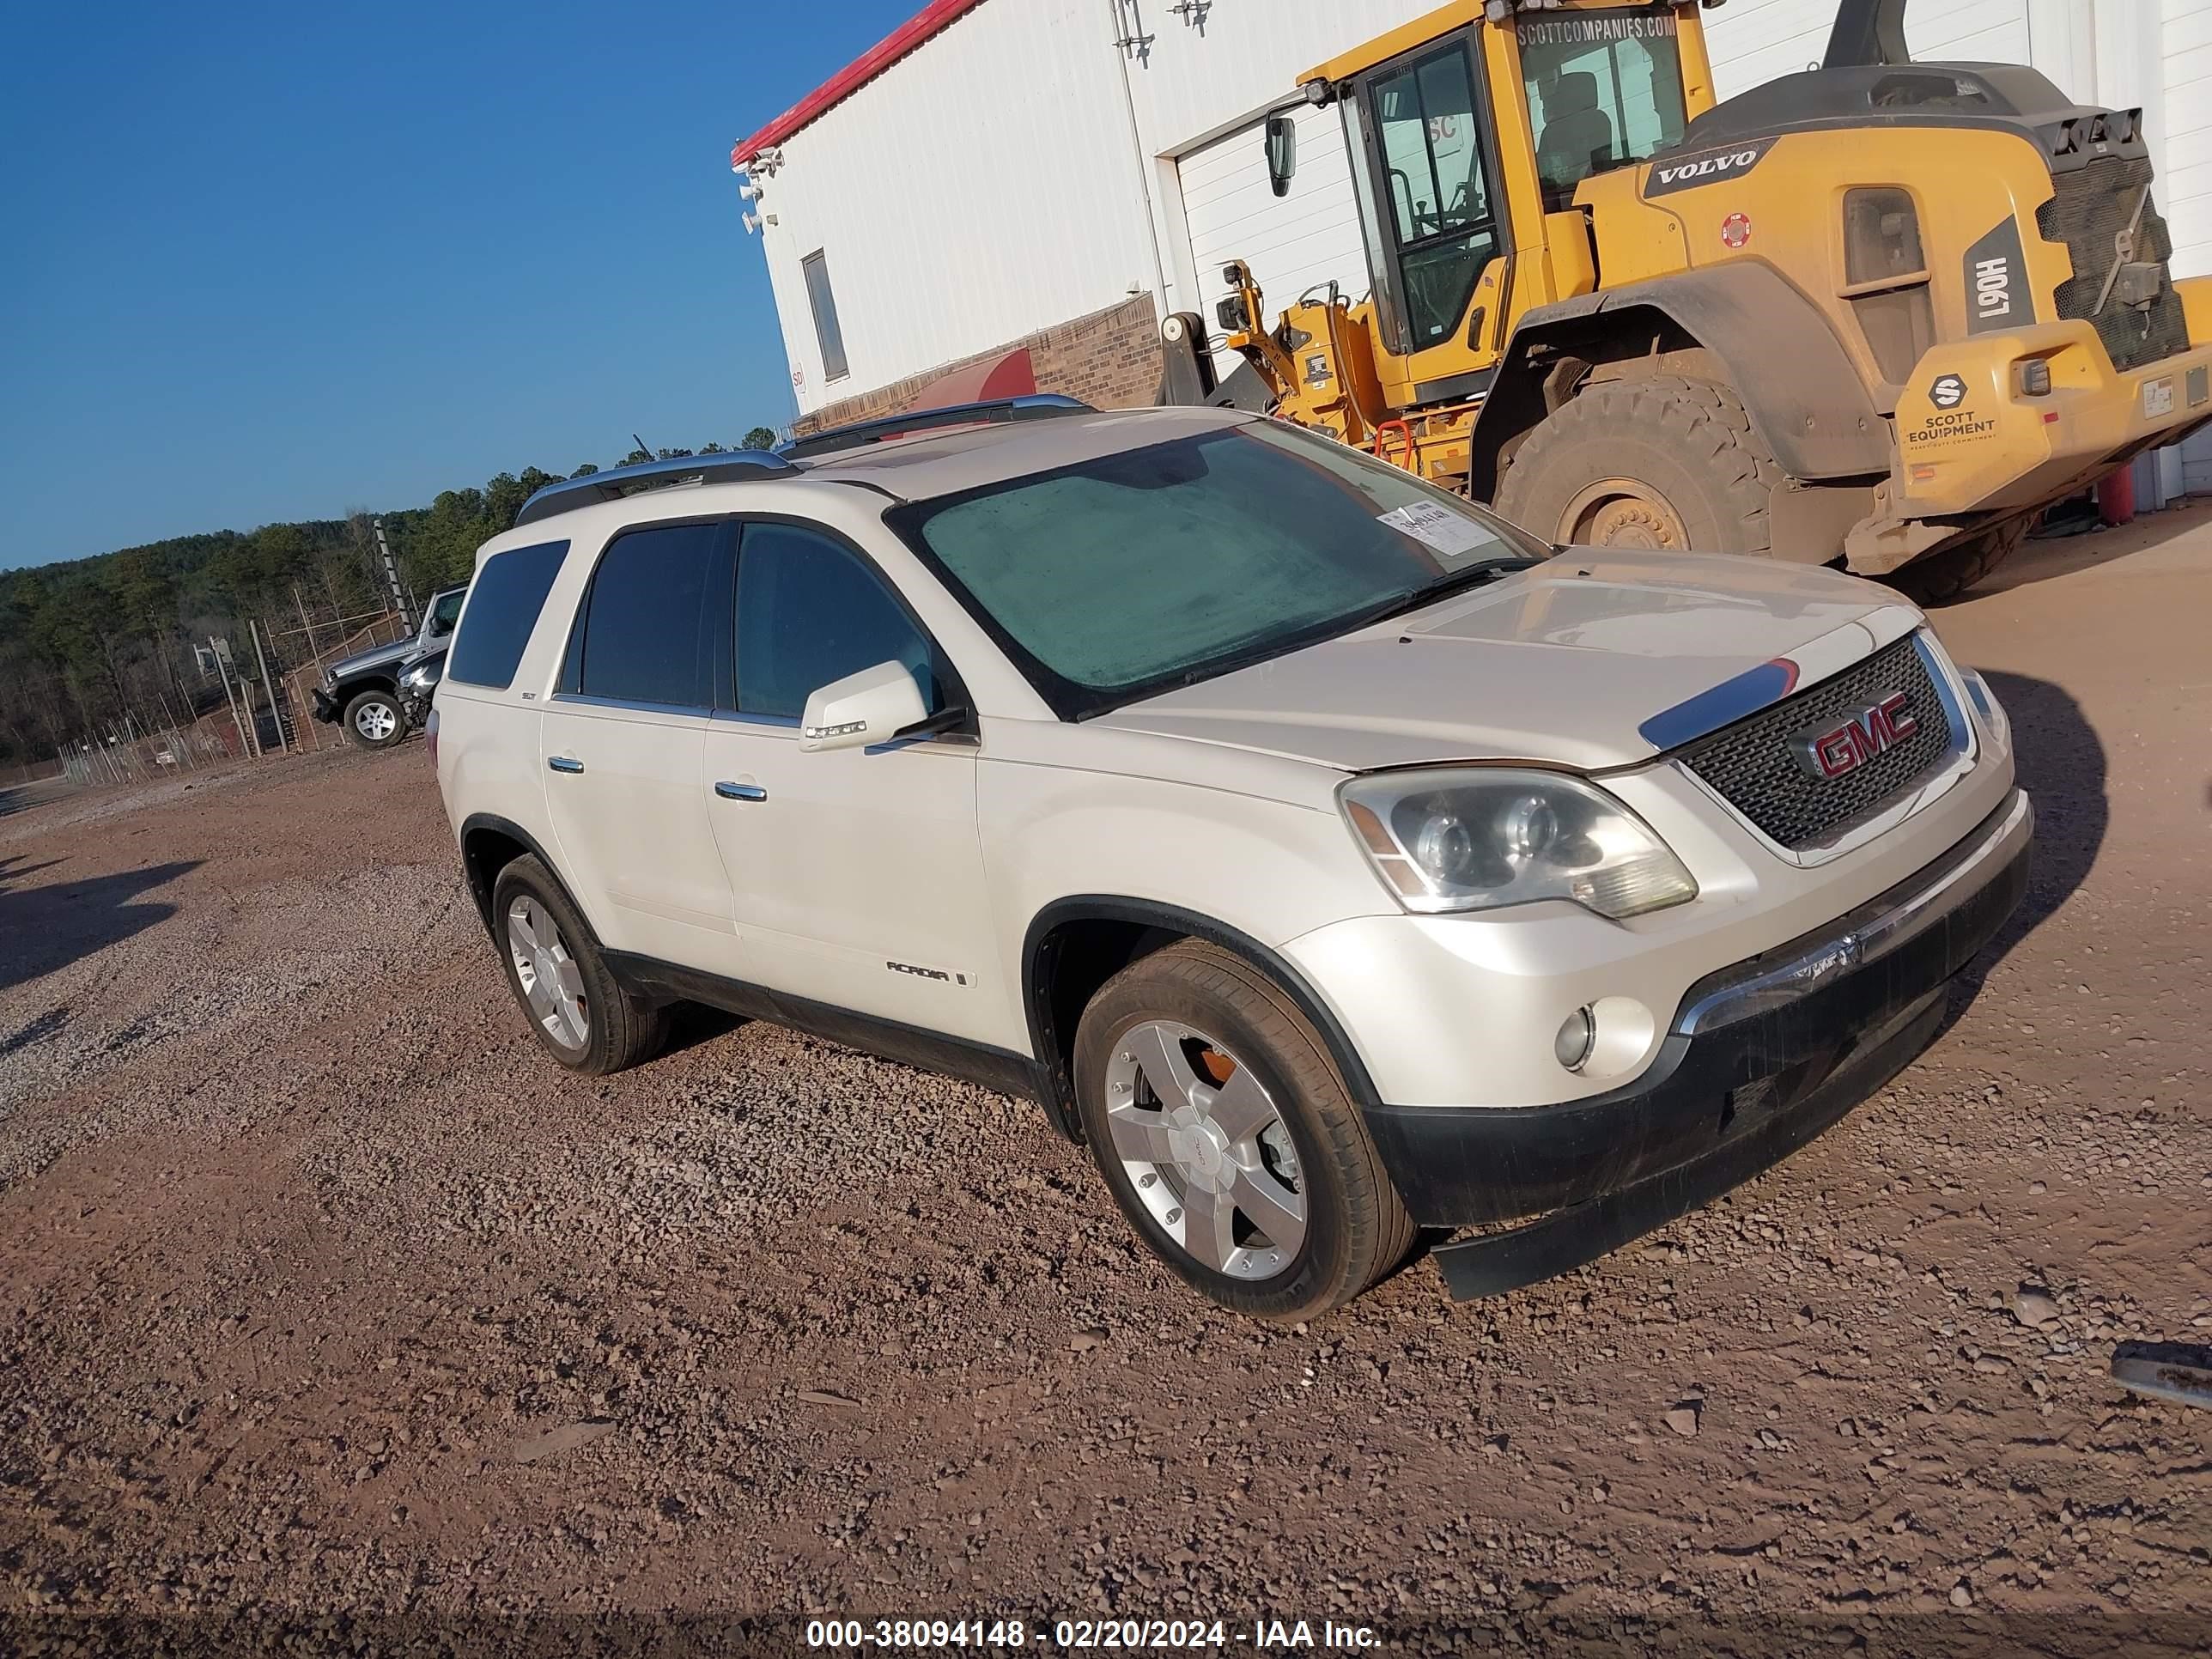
1943	576
1665	462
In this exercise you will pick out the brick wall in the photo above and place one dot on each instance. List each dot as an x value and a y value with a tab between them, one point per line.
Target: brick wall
1111	358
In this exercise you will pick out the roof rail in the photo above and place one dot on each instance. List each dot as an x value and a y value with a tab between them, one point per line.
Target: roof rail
1041	405
727	466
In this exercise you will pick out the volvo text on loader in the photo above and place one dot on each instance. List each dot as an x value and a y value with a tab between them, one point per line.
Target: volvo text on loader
1875	314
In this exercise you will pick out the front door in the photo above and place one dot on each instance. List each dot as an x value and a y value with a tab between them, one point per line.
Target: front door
857	874
1435	216
621	741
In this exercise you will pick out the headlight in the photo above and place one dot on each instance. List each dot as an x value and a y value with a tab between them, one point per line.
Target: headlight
1994	721
1477	838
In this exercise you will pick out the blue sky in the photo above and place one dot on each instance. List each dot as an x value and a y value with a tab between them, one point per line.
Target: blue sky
270	262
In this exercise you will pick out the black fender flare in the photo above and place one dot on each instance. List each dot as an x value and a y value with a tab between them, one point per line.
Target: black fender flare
1044	1038
481	891
346	690
1801	389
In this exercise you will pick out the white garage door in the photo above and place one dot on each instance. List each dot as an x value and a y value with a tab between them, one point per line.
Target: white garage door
1292	242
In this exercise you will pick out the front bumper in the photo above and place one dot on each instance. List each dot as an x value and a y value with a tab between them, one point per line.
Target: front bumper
1987	448
1760	1058
327	708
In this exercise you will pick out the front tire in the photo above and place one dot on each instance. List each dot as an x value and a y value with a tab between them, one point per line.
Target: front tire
374	720
1663	462
1222	1129
1942	577
580	1014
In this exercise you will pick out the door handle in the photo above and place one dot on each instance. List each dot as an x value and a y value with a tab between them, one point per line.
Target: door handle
564	763
740	792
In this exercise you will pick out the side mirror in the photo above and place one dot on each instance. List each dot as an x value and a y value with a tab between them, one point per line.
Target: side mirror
873	706
1282	153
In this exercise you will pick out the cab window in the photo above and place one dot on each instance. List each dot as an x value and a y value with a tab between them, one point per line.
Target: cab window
1604	89
1429	137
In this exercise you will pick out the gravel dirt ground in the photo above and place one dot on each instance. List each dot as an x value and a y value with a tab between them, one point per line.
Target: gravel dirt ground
334	1313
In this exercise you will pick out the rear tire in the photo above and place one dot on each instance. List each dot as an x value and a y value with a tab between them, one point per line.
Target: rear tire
1941	577
573	1005
374	720
1662	462
1272	1173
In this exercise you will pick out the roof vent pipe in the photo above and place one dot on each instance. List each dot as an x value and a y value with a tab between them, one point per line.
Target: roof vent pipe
1868	32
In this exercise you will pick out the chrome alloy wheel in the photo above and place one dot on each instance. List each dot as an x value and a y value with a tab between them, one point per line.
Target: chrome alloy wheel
376	720
551	980
1206	1150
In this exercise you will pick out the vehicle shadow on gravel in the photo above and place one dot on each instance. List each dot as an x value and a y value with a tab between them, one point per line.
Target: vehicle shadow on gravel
694	1023
2061	763
46	928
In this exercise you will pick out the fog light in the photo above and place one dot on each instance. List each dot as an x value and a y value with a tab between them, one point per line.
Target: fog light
2035	378
1578	1036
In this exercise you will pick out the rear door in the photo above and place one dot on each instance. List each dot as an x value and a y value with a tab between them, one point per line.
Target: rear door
857	874
622	739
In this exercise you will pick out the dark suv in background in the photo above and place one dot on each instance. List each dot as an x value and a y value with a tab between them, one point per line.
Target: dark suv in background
380	693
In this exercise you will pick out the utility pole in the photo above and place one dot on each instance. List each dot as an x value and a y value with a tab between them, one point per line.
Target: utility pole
269	686
249	745
391	576
315	651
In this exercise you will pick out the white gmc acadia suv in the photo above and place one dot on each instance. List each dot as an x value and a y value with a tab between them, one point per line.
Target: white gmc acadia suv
1329	857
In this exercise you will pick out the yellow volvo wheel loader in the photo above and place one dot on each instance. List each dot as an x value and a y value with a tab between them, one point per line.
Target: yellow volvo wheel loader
1875	314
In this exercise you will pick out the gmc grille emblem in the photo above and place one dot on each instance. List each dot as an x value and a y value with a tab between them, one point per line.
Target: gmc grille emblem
1830	751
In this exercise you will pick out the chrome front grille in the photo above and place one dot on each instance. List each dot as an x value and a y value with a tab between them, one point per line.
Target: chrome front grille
2093	205
1755	765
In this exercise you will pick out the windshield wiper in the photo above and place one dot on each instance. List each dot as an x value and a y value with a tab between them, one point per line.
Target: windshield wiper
1479	574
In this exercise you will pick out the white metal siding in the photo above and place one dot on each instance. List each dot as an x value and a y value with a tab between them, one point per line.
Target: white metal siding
980	189
1191	84
2185	167
2184	163
1751	41
1294	242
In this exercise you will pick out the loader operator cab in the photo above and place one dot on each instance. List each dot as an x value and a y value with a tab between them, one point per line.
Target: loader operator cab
1601	88
1604	90
1878	311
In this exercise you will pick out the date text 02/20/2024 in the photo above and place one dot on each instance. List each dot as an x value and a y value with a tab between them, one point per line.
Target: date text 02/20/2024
1262	1635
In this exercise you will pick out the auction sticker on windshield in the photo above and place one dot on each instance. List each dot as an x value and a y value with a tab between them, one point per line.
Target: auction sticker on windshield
1437	526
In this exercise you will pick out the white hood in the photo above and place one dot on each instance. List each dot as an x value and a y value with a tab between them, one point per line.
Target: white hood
1586	661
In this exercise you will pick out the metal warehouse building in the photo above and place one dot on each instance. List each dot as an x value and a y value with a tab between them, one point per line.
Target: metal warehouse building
1059	175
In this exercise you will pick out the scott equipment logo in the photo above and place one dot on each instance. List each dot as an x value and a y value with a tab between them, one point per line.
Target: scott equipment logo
1948	391
1830	751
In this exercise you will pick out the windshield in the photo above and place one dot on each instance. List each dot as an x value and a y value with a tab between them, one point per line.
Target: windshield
1113	579
444	611
1604	88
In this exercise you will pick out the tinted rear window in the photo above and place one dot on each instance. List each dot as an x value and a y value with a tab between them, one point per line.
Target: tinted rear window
647	632
502	608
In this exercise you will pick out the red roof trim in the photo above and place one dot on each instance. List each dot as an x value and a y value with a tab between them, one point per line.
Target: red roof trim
931	18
